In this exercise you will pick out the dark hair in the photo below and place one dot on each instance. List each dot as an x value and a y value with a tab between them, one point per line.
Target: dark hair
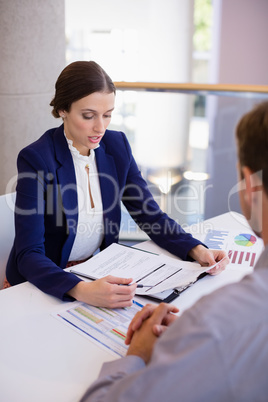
252	139
77	80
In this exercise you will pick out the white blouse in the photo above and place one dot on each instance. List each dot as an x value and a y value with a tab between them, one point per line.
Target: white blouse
90	228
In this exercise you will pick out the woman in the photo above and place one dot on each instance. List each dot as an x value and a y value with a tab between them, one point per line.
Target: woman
70	184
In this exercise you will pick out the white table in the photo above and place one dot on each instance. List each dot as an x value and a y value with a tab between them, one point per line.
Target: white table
43	360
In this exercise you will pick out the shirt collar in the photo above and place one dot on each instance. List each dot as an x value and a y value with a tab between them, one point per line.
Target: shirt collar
76	154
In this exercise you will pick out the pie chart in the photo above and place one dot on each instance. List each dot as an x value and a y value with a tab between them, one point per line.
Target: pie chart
245	239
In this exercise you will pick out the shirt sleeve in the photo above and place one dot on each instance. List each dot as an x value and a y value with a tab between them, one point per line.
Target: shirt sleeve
111	373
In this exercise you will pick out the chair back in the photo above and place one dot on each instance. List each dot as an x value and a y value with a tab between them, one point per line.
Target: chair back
7	231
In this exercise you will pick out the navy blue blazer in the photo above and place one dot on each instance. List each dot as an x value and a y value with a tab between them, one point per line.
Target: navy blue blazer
46	211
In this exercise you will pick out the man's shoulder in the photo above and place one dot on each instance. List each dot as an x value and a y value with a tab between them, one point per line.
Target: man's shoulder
229	308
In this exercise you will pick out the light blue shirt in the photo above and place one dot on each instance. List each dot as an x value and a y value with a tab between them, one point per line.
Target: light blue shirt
216	351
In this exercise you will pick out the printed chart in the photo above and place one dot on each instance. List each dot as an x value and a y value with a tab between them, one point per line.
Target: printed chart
245	239
106	327
242	248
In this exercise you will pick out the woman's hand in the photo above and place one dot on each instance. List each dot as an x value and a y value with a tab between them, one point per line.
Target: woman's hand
208	257
105	292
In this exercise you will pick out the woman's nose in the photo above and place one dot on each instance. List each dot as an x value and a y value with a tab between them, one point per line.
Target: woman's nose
99	125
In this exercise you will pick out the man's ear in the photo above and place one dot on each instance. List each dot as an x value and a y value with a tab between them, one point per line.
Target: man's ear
252	184
247	173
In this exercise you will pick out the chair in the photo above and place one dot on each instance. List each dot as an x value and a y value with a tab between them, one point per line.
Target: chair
7	231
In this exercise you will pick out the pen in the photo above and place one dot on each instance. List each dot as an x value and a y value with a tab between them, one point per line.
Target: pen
139	285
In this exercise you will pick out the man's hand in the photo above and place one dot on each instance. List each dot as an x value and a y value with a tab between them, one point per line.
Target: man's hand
145	328
208	257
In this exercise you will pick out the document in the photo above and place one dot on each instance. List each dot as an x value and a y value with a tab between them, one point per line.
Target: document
153	273
243	247
105	327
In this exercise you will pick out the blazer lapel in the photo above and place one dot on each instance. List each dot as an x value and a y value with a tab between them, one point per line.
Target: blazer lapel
67	187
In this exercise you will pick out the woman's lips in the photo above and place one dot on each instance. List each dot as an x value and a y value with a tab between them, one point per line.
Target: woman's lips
95	139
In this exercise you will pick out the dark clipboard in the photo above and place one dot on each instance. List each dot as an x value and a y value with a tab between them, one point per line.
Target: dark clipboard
175	293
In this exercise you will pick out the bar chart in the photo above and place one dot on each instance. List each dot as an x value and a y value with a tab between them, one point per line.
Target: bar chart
241	257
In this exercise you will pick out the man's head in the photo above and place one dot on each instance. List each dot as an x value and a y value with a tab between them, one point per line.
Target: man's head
252	143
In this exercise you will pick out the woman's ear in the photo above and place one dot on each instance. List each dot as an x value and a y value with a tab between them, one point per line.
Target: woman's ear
62	114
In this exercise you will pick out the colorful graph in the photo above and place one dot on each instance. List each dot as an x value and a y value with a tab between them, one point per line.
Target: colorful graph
88	315
245	239
241	257
242	248
216	239
117	332
105	327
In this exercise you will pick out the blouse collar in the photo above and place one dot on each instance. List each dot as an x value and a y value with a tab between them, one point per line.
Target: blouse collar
76	154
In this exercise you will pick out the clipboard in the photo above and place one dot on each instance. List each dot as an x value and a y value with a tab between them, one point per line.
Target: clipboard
163	277
175	292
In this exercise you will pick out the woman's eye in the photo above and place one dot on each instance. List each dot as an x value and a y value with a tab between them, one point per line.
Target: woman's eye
87	117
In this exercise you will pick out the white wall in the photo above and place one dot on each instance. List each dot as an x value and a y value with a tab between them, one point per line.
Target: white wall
32	54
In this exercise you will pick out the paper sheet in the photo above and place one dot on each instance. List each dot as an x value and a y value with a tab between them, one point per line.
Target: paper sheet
105	327
243	247
173	274
158	271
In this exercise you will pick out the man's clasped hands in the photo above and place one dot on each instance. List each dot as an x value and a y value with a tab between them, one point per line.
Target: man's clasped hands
147	325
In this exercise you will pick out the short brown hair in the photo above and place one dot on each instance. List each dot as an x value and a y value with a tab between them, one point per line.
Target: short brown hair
252	139
77	80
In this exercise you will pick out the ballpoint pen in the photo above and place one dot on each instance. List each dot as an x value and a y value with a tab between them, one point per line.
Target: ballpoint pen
139	285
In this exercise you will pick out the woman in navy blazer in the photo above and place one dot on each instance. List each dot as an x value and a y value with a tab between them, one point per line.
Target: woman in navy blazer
46	214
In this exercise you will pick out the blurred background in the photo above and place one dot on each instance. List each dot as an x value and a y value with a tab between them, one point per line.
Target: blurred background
182	140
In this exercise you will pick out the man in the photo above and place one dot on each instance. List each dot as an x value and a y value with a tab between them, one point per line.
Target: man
218	349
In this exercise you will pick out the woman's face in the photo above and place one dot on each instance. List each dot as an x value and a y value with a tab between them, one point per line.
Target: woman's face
87	120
